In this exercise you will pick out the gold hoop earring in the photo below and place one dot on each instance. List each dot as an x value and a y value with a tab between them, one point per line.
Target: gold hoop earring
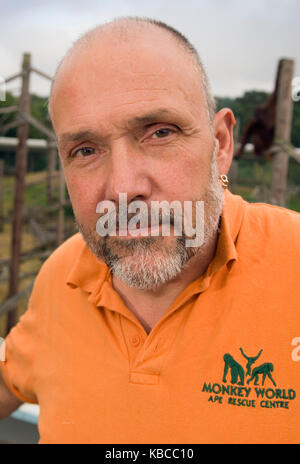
224	181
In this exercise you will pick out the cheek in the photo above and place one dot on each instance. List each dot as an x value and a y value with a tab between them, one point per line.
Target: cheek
189	175
84	195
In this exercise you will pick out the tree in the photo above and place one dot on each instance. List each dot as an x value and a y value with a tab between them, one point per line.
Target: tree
243	108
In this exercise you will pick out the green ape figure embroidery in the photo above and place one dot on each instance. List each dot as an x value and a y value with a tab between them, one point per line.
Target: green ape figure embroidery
237	372
265	370
250	360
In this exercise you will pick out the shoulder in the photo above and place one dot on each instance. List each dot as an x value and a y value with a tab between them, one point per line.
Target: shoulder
61	260
72	263
272	211
270	235
67	251
272	220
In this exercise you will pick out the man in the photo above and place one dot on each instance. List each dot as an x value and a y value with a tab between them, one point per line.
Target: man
140	339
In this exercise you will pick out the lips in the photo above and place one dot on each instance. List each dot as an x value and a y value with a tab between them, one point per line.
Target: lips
136	231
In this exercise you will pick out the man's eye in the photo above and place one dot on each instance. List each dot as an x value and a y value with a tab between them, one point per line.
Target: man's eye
84	151
161	133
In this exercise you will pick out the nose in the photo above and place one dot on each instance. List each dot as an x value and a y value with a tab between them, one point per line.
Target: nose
127	173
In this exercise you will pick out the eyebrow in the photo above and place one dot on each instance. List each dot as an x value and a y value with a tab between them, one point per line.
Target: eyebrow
148	118
69	137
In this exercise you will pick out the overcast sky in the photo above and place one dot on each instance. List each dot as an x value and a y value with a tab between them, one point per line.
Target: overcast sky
239	41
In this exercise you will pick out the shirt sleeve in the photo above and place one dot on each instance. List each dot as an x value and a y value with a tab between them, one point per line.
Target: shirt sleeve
21	351
30	345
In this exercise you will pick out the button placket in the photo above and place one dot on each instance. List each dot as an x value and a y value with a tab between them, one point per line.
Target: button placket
135	340
133	337
147	354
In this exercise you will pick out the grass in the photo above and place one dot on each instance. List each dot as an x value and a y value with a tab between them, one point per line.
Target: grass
35	194
250	176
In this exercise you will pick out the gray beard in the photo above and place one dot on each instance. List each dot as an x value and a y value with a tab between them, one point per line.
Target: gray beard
146	263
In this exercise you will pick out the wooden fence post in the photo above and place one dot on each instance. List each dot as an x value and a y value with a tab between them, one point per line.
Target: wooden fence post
1	195
282	135
61	209
233	171
51	167
21	167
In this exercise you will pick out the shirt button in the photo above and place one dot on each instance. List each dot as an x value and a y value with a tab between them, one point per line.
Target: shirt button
135	340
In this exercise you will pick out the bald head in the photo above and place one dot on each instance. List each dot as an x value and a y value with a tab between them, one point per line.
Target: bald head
130	106
132	30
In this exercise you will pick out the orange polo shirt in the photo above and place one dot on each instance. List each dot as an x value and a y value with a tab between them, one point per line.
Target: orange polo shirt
220	366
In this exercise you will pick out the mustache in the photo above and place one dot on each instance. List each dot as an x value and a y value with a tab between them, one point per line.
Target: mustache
123	218
137	219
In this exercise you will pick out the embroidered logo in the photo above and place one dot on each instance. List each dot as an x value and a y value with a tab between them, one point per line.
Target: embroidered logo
252	386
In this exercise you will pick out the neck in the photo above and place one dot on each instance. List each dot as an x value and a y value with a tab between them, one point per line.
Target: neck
150	305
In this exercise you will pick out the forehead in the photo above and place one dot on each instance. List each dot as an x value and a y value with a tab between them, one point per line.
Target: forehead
113	77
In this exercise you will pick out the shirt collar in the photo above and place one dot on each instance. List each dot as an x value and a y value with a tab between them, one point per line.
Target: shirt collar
232	217
93	276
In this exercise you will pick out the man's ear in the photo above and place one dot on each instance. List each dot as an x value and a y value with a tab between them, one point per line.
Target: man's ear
224	122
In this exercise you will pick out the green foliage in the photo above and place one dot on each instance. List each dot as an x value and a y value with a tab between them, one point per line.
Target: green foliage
250	174
243	108
38	109
296	125
294	172
294	203
36	195
11	100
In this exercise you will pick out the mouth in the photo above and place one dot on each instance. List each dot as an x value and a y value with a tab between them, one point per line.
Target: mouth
137	231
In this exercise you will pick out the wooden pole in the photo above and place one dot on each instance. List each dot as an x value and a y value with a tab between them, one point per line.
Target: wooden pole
51	165
38	125
284	108
8	126
259	169
21	167
9	305
8	109
233	172
41	73
1	195
11	78
61	210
